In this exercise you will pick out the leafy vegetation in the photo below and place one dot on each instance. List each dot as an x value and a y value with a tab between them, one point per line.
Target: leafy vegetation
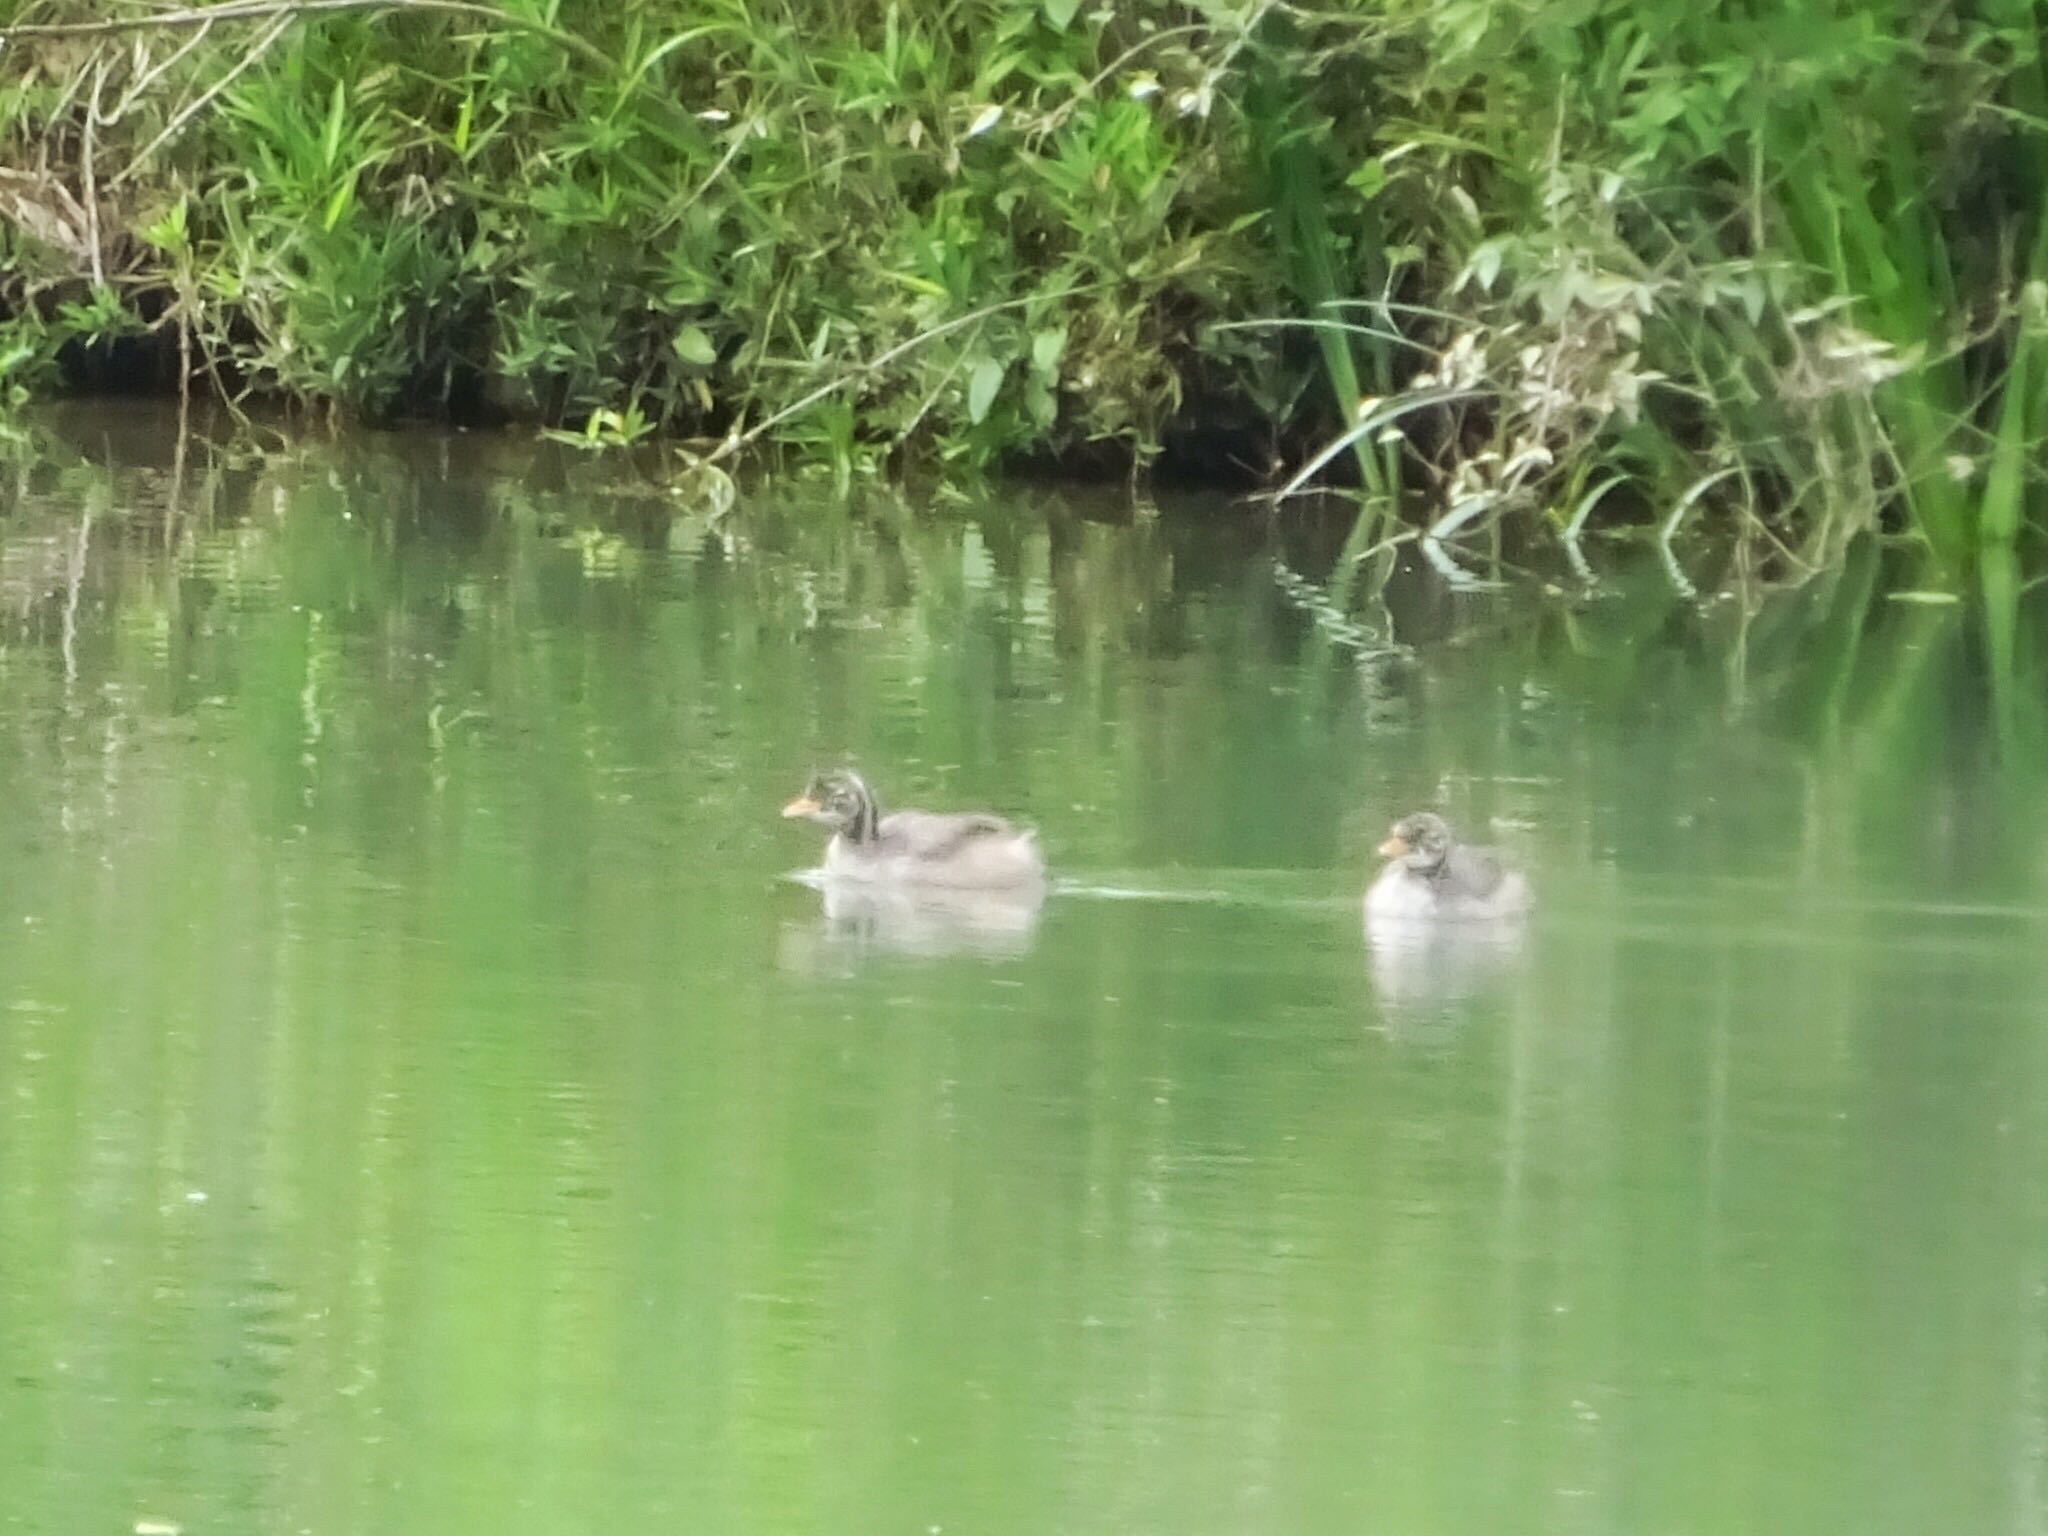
1516	268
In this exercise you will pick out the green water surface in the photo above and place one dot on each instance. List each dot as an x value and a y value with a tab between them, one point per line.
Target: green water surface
428	1105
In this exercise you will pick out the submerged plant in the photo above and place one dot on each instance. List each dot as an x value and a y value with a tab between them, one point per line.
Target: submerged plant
606	429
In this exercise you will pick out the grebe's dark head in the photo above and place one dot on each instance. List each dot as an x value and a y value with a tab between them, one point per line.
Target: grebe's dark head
1421	841
840	800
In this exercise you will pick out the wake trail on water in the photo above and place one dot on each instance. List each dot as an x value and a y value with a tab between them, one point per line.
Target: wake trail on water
1111	887
1197	896
1666	911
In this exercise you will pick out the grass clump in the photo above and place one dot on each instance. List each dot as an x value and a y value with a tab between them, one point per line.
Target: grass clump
694	212
1783	272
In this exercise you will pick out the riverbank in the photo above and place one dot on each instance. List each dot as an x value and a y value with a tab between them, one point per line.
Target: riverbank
1620	264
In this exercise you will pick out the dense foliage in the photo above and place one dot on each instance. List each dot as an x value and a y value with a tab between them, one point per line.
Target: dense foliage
1784	264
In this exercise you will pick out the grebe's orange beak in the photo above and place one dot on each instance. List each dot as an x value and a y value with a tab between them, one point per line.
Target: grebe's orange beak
802	805
1392	848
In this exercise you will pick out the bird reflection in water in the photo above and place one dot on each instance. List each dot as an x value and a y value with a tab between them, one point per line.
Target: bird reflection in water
859	920
1422	970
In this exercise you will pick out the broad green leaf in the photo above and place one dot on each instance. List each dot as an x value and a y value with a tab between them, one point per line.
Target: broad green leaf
1046	347
982	385
1368	180
693	346
1060	13
1484	266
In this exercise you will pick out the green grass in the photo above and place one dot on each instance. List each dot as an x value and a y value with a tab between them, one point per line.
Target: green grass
1779	276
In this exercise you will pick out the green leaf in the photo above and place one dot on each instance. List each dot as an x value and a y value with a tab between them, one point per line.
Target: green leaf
1046	347
169	232
1060	13
1368	180
1751	291
1484	266
337	109
693	346
338	205
982	385
1661	104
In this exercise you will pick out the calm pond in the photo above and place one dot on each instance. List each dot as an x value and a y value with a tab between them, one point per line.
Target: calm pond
428	1103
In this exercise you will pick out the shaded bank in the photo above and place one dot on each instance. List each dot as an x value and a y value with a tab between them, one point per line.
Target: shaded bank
1777	273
